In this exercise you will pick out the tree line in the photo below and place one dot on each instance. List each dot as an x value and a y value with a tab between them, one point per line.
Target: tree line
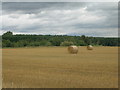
22	40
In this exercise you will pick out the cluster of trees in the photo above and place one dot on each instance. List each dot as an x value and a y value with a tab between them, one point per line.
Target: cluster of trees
10	40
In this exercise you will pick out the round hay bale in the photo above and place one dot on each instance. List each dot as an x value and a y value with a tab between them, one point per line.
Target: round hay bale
73	49
90	47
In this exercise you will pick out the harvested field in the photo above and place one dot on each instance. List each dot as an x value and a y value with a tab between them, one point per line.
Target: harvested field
54	67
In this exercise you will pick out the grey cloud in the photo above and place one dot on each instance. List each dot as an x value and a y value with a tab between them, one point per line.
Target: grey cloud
107	6
62	18
36	7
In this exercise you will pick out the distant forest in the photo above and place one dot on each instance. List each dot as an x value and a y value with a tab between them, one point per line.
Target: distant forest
21	40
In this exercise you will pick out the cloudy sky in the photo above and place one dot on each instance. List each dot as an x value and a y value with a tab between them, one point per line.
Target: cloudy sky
99	19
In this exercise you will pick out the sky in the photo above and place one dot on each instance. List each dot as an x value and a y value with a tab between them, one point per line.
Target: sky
98	19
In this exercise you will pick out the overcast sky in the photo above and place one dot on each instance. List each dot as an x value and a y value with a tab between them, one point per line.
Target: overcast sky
62	18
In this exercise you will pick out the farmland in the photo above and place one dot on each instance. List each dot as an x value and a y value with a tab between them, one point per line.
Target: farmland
54	67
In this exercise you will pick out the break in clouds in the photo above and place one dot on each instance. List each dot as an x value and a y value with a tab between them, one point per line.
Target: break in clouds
61	18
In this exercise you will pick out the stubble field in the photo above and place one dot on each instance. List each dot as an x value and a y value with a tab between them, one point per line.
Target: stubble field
54	67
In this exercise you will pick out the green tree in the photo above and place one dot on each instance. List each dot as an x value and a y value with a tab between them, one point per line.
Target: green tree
9	33
81	43
7	43
66	43
45	43
21	40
